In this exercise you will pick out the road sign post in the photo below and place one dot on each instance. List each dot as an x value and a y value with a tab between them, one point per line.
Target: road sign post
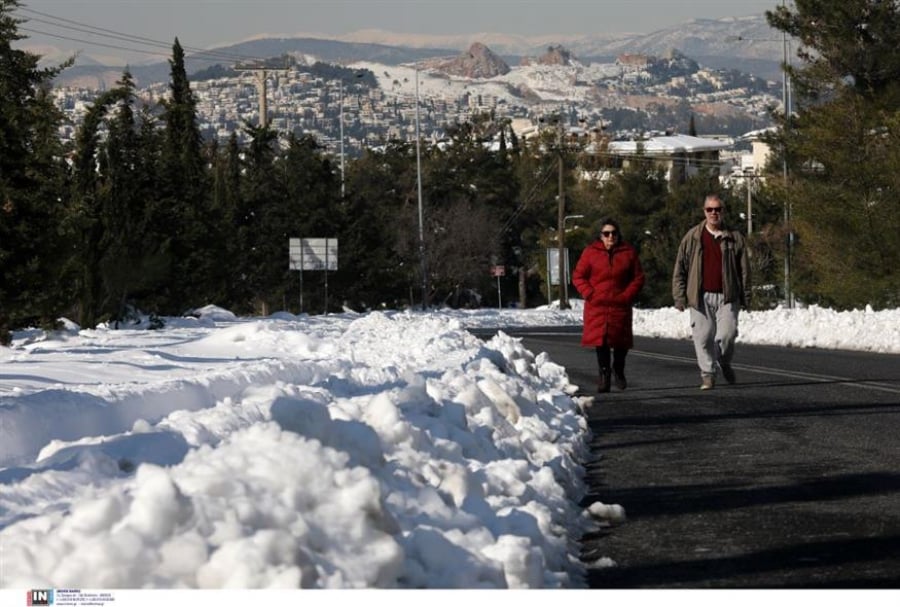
498	271
313	254
553	268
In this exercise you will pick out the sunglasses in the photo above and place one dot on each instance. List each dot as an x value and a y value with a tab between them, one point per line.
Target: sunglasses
713	209
608	233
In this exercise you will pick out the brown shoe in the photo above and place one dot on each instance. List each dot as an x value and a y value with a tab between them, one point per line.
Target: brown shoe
709	382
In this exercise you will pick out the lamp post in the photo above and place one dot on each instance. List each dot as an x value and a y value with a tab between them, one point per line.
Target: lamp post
565	279
788	294
747	178
786	103
419	188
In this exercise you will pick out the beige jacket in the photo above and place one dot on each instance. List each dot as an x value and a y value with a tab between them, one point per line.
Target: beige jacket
688	273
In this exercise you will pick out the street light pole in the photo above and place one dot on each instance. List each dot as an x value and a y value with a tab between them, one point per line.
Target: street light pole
419	187
788	295
566	280
561	224
786	103
748	183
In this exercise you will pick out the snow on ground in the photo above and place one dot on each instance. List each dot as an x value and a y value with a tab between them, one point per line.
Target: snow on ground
388	449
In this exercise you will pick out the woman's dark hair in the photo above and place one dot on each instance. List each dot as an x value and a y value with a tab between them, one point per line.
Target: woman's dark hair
607	221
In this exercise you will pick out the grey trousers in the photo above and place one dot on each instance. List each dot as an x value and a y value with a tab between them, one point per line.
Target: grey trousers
714	328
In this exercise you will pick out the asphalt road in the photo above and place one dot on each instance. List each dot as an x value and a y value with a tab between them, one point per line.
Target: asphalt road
788	479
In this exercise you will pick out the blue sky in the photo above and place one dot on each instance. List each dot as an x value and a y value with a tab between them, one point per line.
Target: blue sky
208	23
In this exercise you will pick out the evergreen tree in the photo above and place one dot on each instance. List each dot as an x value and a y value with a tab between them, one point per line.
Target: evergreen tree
844	45
220	244
259	190
309	207
86	219
131	264
31	180
471	188
652	220
528	227
841	147
380	233
182	215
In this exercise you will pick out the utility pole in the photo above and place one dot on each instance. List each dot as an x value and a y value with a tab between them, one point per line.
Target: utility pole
341	95
419	188
341	88
749	183
561	222
785	101
560	215
260	73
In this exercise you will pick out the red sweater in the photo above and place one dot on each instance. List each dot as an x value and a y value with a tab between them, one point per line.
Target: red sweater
712	263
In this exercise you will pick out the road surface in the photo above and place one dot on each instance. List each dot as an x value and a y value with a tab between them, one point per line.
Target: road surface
788	479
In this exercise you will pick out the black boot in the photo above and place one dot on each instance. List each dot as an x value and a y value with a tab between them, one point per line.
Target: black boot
619	367
603	385
621	384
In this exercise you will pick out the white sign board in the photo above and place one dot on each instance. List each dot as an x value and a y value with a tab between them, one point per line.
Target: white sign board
313	254
553	265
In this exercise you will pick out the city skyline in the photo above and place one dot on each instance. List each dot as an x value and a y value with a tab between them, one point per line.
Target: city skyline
122	31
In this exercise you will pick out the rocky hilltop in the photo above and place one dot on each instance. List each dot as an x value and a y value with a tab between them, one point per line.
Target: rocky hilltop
747	44
477	62
556	54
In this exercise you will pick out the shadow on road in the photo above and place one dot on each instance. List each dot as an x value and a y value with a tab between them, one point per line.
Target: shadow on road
672	500
638	419
765	564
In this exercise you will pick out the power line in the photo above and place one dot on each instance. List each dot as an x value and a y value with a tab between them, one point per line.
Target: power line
116	35
94	30
113	46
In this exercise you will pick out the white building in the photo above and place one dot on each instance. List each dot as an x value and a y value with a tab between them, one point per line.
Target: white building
682	156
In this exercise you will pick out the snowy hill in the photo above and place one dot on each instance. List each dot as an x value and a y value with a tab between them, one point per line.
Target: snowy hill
748	44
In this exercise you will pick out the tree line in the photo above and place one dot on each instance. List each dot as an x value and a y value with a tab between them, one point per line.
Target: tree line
141	215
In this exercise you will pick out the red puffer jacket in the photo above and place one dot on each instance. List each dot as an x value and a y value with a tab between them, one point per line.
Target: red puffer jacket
608	281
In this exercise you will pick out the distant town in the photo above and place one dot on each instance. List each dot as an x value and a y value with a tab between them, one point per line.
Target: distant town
352	107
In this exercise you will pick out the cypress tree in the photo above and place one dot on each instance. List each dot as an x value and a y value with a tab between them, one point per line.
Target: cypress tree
183	204
132	267
31	180
86	218
258	192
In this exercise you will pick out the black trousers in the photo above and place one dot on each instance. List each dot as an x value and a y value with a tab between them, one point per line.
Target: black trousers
618	358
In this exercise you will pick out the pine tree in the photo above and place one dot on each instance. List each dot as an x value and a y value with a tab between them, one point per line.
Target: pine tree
841	145
377	250
31	183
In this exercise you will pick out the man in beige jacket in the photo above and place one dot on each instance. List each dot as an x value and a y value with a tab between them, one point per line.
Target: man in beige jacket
712	278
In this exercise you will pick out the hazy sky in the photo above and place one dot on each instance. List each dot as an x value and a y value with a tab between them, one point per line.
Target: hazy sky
207	23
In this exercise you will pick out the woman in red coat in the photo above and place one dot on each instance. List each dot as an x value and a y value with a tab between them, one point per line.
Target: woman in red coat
609	277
